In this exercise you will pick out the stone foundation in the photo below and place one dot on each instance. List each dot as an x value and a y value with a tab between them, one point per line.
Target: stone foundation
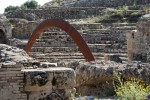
12	82
24	78
5	29
35	84
138	41
55	12
49	83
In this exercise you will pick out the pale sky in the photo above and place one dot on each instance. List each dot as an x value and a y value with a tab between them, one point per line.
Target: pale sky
5	3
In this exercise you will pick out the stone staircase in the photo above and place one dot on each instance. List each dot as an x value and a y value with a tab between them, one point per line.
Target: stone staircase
56	44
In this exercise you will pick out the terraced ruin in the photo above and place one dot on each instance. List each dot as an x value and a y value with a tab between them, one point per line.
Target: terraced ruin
56	68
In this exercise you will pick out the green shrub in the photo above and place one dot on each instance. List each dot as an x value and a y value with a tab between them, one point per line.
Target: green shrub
131	90
106	19
134	16
31	4
117	14
135	7
10	8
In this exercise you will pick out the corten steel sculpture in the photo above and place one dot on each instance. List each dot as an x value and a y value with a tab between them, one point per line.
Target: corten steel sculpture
75	35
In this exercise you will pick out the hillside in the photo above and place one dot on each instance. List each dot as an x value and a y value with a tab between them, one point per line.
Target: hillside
95	3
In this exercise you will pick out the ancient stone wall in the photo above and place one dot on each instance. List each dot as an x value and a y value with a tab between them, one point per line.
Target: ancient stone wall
22	29
21	79
32	84
12	82
49	13
5	29
57	44
139	41
96	78
97	3
50	83
105	3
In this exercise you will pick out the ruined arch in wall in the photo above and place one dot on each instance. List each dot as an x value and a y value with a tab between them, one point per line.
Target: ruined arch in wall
2	37
59	23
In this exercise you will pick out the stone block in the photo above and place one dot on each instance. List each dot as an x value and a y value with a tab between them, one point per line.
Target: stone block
43	83
43	79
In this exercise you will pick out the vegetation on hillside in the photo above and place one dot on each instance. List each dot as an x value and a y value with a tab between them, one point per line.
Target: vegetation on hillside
122	14
133	89
30	4
56	3
9	8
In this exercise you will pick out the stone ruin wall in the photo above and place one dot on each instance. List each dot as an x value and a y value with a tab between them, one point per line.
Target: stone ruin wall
22	28
20	80
12	82
26	84
6	29
93	34
103	3
22	84
139	40
49	13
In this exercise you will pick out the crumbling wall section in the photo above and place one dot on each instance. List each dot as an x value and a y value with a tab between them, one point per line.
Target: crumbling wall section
22	28
5	27
139	40
11	82
50	83
49	13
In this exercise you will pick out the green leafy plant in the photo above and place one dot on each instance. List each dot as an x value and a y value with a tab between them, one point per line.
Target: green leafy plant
10	8
131	90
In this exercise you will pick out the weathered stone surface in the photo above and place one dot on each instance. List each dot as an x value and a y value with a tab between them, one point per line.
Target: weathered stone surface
94	72
13	54
17	43
57	81
5	29
57	44
139	41
43	83
11	82
100	74
96	3
22	28
55	12
137	70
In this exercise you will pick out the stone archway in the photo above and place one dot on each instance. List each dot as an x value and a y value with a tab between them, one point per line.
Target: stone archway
2	37
59	23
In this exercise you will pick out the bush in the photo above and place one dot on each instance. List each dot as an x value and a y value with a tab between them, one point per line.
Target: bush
10	8
117	14
134	16
106	19
135	7
131	90
32	4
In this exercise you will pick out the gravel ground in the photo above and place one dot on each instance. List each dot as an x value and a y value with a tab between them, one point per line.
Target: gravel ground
95	98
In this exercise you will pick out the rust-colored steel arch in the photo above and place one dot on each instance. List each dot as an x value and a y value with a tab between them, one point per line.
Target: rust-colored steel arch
75	35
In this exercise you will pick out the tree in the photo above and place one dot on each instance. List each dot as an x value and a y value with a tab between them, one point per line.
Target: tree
32	4
9	8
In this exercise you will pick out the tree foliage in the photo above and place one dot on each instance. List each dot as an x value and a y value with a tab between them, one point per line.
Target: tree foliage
30	4
9	8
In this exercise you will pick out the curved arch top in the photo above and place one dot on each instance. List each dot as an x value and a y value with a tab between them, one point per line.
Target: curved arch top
75	35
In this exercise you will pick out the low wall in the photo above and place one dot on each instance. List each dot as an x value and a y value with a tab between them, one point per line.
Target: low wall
49	83
49	13
12	82
35	84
